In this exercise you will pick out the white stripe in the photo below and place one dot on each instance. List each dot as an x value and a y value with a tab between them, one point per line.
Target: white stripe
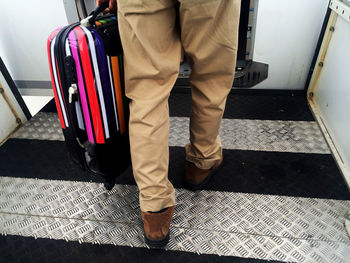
112	88
97	79
67	48
77	104
269	227
53	63
79	114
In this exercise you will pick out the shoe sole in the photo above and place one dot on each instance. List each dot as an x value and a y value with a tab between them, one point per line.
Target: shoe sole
157	243
200	186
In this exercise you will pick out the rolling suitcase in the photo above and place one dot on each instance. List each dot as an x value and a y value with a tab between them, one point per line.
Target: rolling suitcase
86	66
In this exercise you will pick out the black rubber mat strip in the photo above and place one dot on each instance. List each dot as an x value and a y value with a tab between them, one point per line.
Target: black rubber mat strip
277	173
271	106
245	91
50	106
267	105
26	249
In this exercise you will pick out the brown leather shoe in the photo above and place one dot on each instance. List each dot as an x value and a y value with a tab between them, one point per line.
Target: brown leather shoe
156	227
197	178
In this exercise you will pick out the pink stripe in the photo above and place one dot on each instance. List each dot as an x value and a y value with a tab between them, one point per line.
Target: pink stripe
81	87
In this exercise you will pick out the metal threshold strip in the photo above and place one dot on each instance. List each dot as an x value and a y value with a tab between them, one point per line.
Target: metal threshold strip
240	134
224	223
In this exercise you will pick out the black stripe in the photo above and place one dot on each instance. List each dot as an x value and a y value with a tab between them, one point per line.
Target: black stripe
14	89
85	88
50	107
96	88
58	85
79	100
262	106
59	52
272	106
291	174
27	249
126	100
250	92
121	69
242	31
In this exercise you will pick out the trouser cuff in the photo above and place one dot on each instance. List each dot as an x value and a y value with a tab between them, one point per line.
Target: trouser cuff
157	204
201	162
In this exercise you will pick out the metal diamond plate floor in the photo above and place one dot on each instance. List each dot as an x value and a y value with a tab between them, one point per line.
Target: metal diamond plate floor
259	135
252	226
256	135
245	225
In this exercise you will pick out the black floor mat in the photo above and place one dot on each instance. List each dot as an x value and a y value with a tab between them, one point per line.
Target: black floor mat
271	106
27	249
292	174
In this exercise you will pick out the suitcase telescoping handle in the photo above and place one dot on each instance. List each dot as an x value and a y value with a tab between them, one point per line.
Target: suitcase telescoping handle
90	20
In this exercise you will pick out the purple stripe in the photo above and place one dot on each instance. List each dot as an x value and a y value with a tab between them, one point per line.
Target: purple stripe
104	76
81	87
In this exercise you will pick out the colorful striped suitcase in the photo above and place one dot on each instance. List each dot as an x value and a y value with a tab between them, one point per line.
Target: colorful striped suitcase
86	67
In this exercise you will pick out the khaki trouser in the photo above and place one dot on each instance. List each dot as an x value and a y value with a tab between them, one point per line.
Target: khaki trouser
152	48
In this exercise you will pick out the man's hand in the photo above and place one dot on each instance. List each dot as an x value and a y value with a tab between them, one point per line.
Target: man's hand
112	8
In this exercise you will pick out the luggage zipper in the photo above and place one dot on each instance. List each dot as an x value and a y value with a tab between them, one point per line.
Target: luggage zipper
71	91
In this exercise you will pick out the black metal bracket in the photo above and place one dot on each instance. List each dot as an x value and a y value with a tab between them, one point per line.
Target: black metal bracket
14	90
252	74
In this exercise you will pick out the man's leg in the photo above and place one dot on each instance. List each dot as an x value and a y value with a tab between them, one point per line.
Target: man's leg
209	33
152	52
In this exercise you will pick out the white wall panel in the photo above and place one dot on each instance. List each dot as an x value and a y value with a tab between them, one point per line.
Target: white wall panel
7	119
332	92
286	37
24	29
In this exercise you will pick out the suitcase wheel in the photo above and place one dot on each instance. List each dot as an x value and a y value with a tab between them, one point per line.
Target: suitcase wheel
109	185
